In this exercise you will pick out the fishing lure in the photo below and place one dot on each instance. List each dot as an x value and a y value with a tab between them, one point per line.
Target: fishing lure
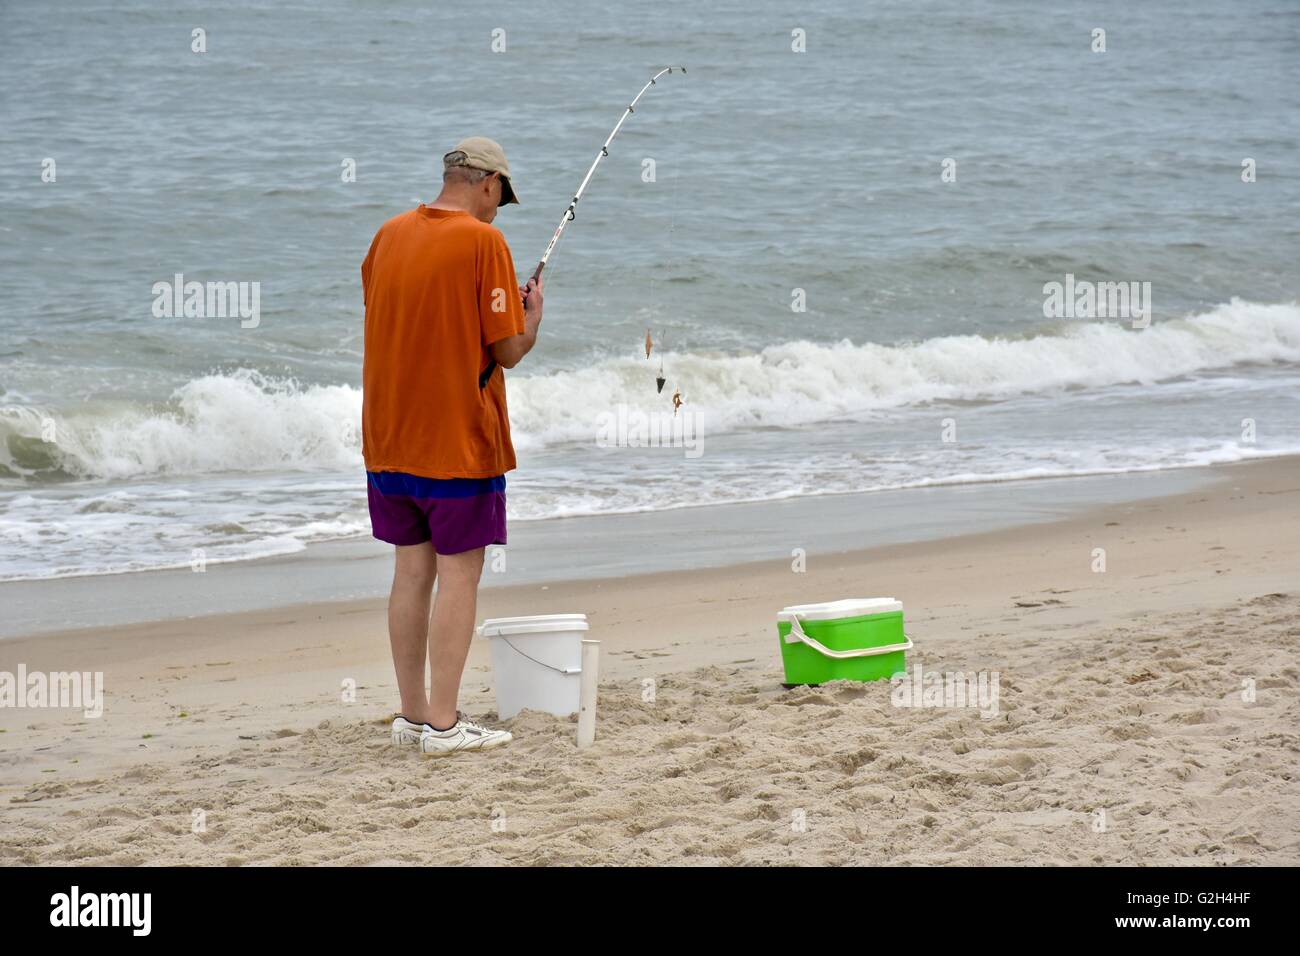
569	213
660	380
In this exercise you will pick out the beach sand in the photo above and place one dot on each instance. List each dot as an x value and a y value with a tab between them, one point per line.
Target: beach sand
1123	733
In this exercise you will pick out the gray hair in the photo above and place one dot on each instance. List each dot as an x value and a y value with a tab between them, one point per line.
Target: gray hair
455	165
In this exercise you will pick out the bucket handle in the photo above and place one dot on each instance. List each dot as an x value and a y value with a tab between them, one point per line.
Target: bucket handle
797	634
566	671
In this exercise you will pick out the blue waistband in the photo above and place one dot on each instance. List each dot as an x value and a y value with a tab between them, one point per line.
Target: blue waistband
400	483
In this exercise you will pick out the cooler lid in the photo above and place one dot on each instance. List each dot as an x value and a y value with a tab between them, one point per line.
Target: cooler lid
833	610
532	624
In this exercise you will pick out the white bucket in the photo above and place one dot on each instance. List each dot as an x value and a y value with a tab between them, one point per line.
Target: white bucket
536	662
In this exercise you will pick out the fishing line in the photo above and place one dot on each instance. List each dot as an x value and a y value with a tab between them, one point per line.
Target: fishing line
570	212
655	280
673	260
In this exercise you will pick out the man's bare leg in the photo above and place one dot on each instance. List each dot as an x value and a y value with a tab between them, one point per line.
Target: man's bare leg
414	571
454	612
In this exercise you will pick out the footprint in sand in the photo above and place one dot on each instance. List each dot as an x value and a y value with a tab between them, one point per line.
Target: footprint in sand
819	700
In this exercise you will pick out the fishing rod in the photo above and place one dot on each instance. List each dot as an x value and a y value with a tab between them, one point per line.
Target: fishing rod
569	214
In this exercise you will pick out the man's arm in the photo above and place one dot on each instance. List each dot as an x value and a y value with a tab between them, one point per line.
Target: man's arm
510	351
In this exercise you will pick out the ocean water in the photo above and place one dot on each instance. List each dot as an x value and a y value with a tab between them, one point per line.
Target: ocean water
923	355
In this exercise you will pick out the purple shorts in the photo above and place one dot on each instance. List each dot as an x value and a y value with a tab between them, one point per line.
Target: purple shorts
456	514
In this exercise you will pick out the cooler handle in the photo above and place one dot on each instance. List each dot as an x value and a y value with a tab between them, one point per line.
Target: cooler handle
797	634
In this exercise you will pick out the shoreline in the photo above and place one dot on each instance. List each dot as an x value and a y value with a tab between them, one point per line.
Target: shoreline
593	547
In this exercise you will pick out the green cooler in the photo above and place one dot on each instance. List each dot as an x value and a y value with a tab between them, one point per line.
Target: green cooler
855	639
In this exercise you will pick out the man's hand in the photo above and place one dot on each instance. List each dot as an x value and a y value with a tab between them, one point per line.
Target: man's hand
508	352
532	294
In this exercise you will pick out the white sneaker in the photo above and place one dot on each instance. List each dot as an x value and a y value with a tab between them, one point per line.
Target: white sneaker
406	733
465	735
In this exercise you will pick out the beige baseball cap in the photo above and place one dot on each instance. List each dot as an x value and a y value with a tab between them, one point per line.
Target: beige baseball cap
483	153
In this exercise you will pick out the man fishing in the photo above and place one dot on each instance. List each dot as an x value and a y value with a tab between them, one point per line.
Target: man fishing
443	308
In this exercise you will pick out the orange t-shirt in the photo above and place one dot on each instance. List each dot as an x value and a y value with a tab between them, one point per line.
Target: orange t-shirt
440	287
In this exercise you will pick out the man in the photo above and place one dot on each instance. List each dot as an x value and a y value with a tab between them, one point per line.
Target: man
442	305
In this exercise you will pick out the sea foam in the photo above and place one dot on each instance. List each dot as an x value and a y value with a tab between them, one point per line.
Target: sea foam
244	421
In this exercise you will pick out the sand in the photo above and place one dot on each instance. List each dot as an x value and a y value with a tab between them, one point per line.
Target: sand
1146	715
